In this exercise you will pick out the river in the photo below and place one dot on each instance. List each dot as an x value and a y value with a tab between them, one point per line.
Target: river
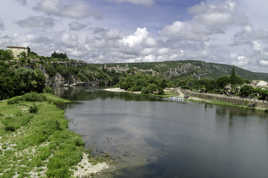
152	138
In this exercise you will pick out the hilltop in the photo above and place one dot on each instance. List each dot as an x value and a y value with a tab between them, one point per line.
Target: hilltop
186	69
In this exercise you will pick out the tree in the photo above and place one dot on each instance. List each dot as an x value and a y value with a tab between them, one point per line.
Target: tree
150	89
234	79
246	91
222	82
59	55
6	55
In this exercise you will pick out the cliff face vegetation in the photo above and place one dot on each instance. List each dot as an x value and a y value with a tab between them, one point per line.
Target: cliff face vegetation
186	69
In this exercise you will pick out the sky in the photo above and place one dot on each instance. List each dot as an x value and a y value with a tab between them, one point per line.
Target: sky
232	32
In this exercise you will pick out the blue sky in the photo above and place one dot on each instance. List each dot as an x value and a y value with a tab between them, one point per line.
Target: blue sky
224	31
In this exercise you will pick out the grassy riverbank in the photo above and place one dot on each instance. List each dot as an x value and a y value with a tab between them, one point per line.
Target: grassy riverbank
35	140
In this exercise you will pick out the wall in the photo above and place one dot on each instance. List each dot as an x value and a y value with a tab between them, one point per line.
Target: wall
228	99
16	52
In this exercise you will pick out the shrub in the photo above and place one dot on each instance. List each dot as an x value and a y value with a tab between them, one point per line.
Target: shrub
246	91
14	123
31	97
33	109
34	97
48	90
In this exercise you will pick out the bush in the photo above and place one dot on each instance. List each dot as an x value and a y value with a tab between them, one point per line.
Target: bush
48	90
14	123
246	91
31	97
34	97
33	109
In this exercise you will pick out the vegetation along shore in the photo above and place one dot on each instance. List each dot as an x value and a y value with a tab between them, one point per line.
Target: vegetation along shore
35	140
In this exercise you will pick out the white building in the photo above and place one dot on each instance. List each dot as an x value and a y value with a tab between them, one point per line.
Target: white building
259	83
262	84
17	51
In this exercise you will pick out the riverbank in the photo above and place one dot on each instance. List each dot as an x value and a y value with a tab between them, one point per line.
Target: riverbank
119	90
209	98
35	140
234	101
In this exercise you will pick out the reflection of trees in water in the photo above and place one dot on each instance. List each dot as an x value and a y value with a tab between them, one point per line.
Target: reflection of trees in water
231	115
208	106
79	93
231	112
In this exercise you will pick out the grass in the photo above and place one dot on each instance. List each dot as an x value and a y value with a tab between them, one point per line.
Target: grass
35	139
168	94
216	102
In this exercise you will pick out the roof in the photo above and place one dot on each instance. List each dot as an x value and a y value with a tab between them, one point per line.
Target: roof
16	47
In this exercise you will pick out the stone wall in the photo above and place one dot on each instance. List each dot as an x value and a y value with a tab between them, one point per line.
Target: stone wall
229	99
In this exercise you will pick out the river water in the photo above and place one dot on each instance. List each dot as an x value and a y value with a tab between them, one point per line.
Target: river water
153	138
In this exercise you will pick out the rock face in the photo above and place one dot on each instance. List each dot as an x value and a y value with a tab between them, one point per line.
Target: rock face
190	68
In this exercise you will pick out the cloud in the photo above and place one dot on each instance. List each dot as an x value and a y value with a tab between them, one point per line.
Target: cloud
22	2
185	31
77	9
2	25
37	22
76	26
264	62
141	36
223	31
138	2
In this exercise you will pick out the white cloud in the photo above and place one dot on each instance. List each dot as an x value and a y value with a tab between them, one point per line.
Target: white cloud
264	62
215	18
141	36
77	9
163	51
225	31
242	60
2	25
140	2
76	26
37	22
22	2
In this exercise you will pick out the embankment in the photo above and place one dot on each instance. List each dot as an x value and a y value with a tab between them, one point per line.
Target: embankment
35	140
229	100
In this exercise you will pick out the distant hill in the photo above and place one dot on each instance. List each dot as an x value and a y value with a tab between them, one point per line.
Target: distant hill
184	69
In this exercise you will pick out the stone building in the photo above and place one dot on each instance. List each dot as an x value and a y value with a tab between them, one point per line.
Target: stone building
16	50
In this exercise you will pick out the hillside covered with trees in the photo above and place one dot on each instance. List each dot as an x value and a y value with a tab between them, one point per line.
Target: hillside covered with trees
38	73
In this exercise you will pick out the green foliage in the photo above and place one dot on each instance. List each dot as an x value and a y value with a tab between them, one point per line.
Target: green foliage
59	55
47	89
247	91
223	81
145	83
14	123
234	79
46	132
5	55
263	94
33	109
30	97
19	81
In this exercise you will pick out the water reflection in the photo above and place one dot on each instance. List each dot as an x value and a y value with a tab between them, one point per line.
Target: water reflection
165	139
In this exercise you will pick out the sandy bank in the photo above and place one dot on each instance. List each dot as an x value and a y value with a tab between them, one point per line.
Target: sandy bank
119	90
